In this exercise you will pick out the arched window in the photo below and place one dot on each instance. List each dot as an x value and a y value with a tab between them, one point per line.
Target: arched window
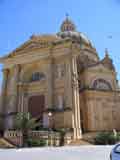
37	76
101	84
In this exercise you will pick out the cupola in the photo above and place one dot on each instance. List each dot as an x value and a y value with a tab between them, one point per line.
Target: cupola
67	25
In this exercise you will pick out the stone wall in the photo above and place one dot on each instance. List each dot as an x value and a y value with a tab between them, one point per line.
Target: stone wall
102	109
62	119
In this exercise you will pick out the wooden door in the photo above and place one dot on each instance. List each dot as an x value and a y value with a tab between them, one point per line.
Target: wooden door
36	107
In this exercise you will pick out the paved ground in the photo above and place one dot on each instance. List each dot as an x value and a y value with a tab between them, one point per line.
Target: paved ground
63	153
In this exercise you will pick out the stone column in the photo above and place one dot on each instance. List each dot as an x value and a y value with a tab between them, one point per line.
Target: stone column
75	100
20	97
4	95
15	88
11	107
4	91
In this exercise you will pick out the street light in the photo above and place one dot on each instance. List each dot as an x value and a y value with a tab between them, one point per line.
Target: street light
50	115
50	128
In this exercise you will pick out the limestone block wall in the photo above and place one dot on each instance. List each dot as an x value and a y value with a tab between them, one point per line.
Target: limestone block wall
62	119
91	53
103	110
84	112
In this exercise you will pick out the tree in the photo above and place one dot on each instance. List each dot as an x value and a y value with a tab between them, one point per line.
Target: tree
24	122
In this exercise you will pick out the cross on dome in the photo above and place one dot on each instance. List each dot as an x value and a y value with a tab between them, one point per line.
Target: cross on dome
67	15
106	52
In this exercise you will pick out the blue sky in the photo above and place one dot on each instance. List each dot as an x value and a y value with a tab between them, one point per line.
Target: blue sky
99	19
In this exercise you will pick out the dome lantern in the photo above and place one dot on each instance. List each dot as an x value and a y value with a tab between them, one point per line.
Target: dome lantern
68	30
67	25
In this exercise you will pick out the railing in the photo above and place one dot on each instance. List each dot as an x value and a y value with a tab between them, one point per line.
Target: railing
12	134
52	138
14	137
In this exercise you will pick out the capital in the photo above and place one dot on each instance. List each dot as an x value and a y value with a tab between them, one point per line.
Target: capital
17	67
5	71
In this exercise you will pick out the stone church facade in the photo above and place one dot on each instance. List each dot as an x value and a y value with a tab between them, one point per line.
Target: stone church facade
62	82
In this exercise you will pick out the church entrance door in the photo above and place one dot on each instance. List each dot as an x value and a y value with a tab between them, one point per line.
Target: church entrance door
36	107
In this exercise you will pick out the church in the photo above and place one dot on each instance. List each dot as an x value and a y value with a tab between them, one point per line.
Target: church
62	82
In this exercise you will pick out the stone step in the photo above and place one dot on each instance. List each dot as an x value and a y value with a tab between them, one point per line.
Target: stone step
5	144
79	142
87	139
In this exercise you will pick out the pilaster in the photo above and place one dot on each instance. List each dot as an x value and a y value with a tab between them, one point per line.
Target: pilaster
68	85
76	100
50	82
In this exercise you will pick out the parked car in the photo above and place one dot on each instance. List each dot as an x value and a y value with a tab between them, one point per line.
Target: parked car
115	153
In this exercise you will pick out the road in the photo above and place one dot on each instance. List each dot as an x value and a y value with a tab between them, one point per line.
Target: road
59	153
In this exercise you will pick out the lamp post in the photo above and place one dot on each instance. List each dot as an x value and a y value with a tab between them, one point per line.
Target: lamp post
50	121
50	128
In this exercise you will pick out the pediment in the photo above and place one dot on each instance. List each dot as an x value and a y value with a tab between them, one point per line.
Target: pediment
35	42
27	47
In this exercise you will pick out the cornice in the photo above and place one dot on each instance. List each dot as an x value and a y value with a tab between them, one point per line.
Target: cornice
34	46
95	91
100	71
36	55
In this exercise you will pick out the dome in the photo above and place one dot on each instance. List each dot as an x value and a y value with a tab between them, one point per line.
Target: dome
75	35
68	29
